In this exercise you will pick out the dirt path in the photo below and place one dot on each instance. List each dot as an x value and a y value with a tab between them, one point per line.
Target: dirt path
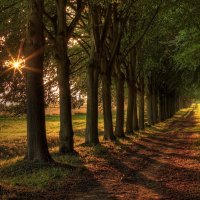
164	165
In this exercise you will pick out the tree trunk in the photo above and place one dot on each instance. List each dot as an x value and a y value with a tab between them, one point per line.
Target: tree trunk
66	130
153	105
135	115
129	118
162	107
91	136
149	102
156	107
107	108
141	110
37	149
154	98
149	110
166	107
119	129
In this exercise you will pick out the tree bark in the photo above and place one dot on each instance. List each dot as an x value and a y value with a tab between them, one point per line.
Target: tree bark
166	106
161	107
129	118
119	129
66	130
91	136
141	110
149	100
153	104
37	149
132	93
107	108
156	107
135	113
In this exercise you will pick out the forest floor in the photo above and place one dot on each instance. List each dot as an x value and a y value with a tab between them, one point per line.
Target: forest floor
163	162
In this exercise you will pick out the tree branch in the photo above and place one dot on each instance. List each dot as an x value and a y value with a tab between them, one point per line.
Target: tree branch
145	31
71	27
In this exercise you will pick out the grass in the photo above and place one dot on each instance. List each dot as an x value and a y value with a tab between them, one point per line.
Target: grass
21	173
14	171
17	172
15	128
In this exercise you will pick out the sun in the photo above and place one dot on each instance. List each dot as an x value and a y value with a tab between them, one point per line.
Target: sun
16	64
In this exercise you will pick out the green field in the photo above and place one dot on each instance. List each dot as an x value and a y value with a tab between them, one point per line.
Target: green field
15	127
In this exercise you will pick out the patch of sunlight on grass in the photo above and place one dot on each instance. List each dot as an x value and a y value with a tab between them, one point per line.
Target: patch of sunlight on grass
11	128
8	162
192	129
15	128
72	160
164	126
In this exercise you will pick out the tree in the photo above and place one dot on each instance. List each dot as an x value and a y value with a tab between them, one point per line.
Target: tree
63	32
66	130
37	149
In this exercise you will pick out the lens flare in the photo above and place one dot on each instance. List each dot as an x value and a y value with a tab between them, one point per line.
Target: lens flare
16	64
